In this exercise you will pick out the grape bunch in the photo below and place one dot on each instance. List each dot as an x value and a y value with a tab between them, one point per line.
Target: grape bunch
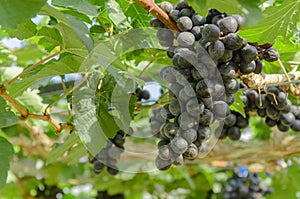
109	155
245	185
48	191
273	105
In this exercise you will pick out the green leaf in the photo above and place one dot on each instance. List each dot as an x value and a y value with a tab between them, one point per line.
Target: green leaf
8	117
23	31
59	151
17	12
116	14
32	101
82	6
228	6
238	105
93	129
65	65
29	54
6	150
75	154
279	20
50	38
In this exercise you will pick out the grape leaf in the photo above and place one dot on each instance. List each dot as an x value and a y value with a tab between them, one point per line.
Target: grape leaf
6	150
17	12
228	6
75	154
23	31
82	6
60	150
50	38
65	65
238	105
8	117
279	20
32	101
116	14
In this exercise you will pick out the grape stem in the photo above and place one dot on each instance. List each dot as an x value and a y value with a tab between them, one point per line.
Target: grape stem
25	114
151	7
258	81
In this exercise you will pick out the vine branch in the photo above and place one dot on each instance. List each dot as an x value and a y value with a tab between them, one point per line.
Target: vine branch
25	114
151	7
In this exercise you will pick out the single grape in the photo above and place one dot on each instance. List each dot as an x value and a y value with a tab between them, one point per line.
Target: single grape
230	120
145	94
170	129
206	118
156	23
184	23
261	112
287	119
186	121
211	14
190	135
198	20
199	72
179	160
228	25
162	164
258	67
220	110
186	12
174	107
112	171
191	153
202	89
241	122
194	108
281	127
240	19
231	86
208	102
186	39
167	74
247	68
204	132
234	133
181	5
217	18
227	56
165	37
186	93
230	99
216	50
196	31
210	33
98	167
163	142
166	6
270	122
164	152
174	14
296	125
227	71
249	53
179	145
272	112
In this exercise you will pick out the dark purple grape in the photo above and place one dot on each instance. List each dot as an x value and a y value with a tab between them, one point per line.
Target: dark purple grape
198	20
156	23
170	130
227	71
296	125
166	6
186	12
231	86
270	55
247	68
216	50
220	110
186	121
189	135
241	122
287	119
281	127
164	152
210	33
228	25
174	107
261	112
112	171
206	118
272	112
202	89
234	133
191	153
270	123
230	120
230	99
165	37
196	30
162	164
98	167
179	160
240	19
181	4
227	56
249	53
179	145
184	23
194	108
258	67
199	72
174	14
186	39
211	14
167	74
204	132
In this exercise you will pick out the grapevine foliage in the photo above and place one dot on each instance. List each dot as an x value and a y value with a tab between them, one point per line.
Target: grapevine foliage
94	63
